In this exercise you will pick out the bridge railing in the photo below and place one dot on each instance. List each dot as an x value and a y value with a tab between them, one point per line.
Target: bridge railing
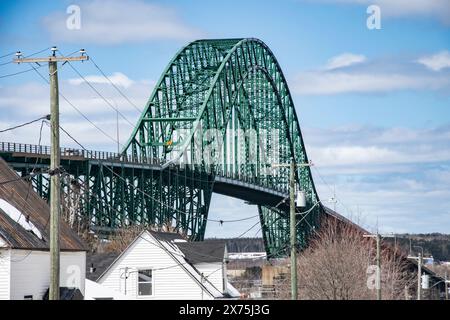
75	153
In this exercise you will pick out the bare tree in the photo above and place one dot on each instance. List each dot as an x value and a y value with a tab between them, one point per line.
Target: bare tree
339	265
120	240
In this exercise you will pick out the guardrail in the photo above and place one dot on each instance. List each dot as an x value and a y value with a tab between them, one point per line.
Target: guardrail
70	152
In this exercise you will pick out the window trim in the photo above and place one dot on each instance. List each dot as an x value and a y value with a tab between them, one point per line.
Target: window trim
152	283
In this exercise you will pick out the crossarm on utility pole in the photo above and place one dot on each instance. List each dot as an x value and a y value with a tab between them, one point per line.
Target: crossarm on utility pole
50	59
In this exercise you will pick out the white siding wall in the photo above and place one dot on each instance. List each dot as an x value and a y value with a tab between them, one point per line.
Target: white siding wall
30	272
170	283
213	272
5	273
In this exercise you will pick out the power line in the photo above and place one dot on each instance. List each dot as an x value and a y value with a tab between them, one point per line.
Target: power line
326	183
99	94
112	83
79	111
34	169
235	220
26	123
8	54
21	178
17	73
246	231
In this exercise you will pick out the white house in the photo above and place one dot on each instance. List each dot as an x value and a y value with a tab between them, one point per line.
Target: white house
24	245
159	265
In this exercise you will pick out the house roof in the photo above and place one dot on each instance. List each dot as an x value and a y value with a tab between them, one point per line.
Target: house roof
166	236
194	252
99	262
35	211
206	251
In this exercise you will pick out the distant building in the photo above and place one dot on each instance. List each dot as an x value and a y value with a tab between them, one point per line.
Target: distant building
158	265
24	245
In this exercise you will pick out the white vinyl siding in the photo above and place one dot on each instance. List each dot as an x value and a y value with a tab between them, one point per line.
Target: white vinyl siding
30	272
213	272
5	273
171	282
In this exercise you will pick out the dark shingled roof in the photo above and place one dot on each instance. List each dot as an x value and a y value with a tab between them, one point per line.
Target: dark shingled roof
38	212
99	262
166	236
203	251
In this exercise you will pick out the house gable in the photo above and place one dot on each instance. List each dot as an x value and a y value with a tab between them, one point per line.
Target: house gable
172	276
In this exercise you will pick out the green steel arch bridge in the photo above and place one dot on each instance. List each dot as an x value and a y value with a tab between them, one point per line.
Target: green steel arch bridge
218	118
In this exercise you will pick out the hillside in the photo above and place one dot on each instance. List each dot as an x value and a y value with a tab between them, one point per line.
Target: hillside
435	244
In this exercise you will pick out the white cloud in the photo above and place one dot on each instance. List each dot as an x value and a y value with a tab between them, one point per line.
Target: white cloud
318	83
389	175
344	60
14	104
436	62
348	73
377	149
118	78
115	22
439	9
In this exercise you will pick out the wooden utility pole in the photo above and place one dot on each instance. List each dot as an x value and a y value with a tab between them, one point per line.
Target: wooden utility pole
446	286
293	232
419	259
54	172
293	223
419	277
378	237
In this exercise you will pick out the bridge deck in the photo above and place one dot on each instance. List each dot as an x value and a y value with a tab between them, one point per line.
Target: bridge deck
33	156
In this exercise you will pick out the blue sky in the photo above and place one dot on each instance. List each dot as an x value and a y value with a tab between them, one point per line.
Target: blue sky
374	105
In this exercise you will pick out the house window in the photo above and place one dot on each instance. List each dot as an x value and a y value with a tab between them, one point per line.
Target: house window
145	282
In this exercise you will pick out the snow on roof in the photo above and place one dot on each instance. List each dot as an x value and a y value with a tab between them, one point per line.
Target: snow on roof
19	217
94	290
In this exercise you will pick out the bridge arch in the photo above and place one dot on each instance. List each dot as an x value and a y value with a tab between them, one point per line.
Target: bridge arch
223	86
